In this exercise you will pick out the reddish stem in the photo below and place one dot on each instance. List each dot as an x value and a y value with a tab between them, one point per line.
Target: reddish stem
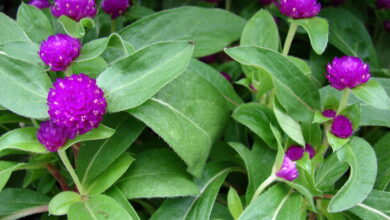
60	179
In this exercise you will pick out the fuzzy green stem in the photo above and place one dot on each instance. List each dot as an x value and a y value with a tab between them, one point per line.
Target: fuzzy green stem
228	5
71	171
344	100
35	123
68	71
26	212
113	25
264	185
290	36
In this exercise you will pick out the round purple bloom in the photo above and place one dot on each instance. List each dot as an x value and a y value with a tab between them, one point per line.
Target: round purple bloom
40	3
266	2
115	8
386	25
299	8
288	170
295	152
59	50
310	150
76	102
52	136
329	113
383	4
347	72
342	127
75	9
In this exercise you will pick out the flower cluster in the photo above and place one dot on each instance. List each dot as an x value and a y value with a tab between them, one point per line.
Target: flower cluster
40	3
75	9
115	8
341	126
298	9
296	152
59	50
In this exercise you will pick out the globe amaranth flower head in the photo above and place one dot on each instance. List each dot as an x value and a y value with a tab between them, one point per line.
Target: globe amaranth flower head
295	152
75	9
347	72
342	127
329	113
288	170
76	102
40	3
299	8
383	4
59	50
53	136
115	8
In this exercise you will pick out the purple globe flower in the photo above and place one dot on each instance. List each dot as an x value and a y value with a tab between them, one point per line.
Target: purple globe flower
266	2
310	150
295	152
386	25
383	4
59	50
52	136
115	8
40	3
342	127
75	9
288	170
76	102
347	72
299	8
329	113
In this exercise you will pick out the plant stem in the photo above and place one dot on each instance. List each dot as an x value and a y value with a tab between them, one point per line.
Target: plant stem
228	5
344	100
26	212
68	71
71	171
290	36
56	174
264	185
113	25
35	123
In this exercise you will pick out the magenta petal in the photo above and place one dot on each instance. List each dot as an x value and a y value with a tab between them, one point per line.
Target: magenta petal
75	9
299	8
342	127
288	170
295	152
53	136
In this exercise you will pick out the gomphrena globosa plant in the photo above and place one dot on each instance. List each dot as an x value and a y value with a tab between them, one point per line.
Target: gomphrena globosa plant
197	109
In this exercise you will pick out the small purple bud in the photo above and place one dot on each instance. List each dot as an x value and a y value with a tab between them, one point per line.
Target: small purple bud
295	152
76	102
115	8
310	150
383	4
288	170
299	8
52	136
75	9
347	72
227	76
342	127
329	113
252	87
209	59
386	25
59	50
41	4
266	2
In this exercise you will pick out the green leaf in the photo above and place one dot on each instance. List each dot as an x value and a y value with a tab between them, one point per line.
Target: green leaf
22	50
207	31
136	12
71	27
6	169
349	34
189	114
60	204
217	80
87	22
13	30
373	94
92	67
261	30
305	190
24	139
259	156
234	203
131	81
295	92
257	118
329	172
312	134
157	173
375	207
301	64
97	156
24	87
115	193
291	127
13	200
292	209
109	176
97	207
200	206
336	142
8	118
361	158
382	152
34	23
267	205
318	29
